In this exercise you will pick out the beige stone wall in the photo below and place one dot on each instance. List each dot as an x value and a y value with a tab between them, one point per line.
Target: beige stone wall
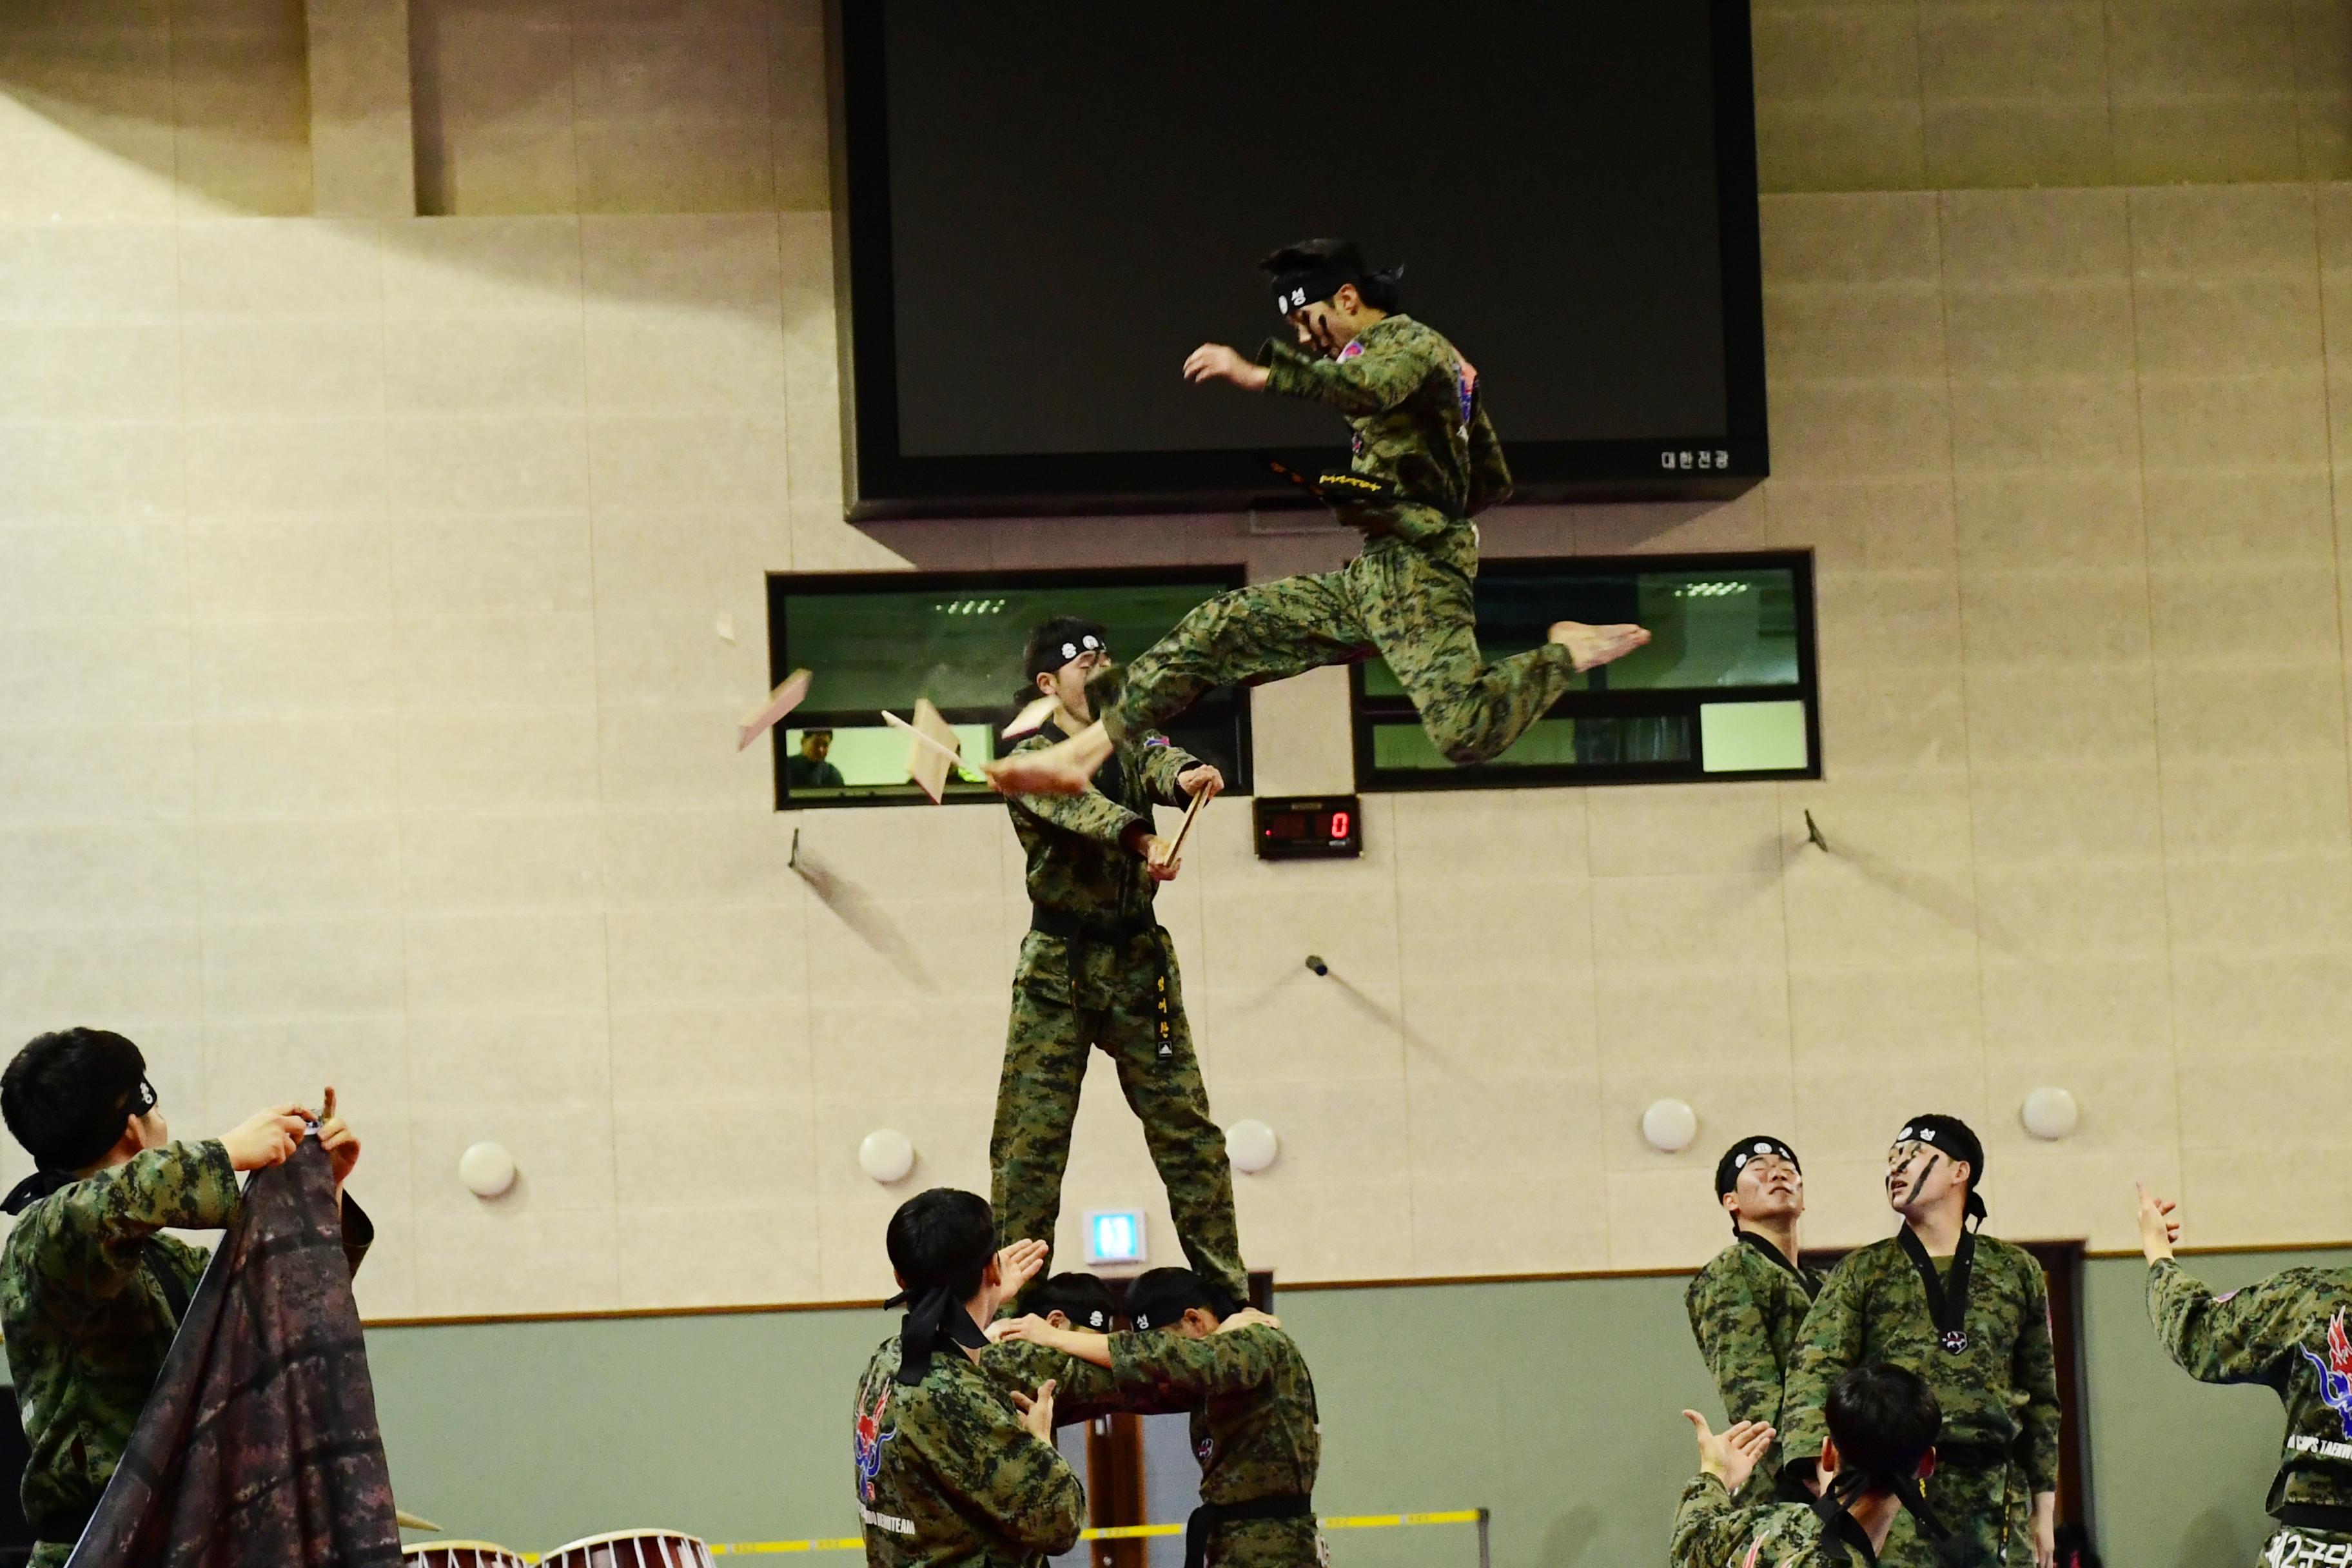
365	713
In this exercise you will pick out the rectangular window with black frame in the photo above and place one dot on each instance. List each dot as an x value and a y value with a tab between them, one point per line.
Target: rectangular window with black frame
883	640
1726	690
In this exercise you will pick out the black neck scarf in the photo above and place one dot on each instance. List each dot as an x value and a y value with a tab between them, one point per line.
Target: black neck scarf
1804	1282
936	1312
1833	1506
1948	1300
33	1188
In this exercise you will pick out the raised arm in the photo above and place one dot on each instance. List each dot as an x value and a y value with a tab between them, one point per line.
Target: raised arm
2245	1336
1185	1372
1710	1528
1165	762
1089	814
1371	382
105	1220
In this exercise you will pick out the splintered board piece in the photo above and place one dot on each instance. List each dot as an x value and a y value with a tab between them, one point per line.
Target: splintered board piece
934	749
768	714
407	1520
1185	827
1030	719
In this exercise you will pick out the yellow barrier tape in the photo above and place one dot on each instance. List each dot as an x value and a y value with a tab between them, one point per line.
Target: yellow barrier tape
1117	1532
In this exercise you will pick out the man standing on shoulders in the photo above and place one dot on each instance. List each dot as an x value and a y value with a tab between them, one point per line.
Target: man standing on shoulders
1969	1314
1747	1305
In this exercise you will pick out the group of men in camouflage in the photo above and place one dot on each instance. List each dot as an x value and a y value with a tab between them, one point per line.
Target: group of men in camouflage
948	1471
1903	1408
1921	1365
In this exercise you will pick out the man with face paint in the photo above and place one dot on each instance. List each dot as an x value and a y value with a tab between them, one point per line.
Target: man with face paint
1747	1305
1426	460
1969	1314
2286	1332
1097	971
1881	1443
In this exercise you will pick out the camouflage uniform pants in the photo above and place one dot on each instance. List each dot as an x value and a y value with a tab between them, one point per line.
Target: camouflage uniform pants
1990	1513
1416	609
1046	1054
2293	1547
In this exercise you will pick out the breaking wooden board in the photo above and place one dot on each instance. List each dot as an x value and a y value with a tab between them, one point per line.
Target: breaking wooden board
1030	719
766	716
1185	827
934	750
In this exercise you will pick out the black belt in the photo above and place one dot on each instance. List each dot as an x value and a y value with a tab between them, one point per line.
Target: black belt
1205	1519
1072	928
2334	1518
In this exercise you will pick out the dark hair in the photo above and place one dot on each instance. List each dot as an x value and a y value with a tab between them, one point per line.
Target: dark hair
943	1237
1885	1419
1083	1299
1160	1295
68	1094
1380	290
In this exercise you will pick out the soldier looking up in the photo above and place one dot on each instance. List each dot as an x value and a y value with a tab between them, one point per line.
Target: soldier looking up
1747	1305
951	1467
1969	1314
91	1292
1097	971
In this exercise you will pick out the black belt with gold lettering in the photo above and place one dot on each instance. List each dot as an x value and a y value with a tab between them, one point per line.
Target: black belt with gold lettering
1205	1519
1076	932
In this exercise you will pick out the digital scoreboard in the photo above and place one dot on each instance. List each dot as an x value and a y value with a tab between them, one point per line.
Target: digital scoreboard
1296	827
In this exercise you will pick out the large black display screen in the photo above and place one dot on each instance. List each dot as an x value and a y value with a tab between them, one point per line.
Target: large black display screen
1047	204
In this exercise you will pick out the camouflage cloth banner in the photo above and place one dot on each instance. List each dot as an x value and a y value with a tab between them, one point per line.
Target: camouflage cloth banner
260	1443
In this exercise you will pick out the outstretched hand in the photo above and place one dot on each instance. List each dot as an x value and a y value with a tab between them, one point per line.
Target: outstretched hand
1216	361
2159	1231
1018	1264
1731	1454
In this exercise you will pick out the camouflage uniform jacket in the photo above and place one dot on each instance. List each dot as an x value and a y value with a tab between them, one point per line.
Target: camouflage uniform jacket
1254	1425
947	1473
1080	867
2287	1333
2002	1392
1420	429
1746	1307
1711	1532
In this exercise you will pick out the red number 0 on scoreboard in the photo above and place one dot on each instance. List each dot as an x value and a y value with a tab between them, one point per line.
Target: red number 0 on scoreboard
1339	821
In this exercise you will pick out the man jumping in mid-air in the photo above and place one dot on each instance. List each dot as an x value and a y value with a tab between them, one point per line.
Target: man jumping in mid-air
1426	460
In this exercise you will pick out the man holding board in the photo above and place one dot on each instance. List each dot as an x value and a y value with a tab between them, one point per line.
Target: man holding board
1098	969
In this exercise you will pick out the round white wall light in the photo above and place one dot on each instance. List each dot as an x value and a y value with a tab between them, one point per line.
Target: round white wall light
1669	1125
1251	1146
886	1155
2050	1114
487	1169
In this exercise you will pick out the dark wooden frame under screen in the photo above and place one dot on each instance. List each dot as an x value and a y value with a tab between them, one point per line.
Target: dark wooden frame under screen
883	482
1363	710
782	587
